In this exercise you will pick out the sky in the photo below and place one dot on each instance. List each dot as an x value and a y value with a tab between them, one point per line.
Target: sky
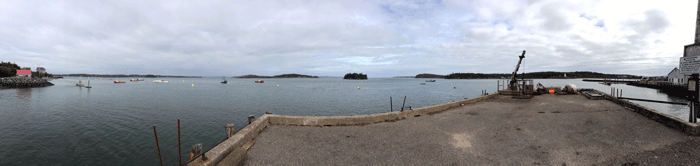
332	38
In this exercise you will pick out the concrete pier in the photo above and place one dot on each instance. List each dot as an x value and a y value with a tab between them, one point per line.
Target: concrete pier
545	130
485	130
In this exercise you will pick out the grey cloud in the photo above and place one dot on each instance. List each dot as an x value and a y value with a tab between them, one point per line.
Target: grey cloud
384	38
554	20
654	21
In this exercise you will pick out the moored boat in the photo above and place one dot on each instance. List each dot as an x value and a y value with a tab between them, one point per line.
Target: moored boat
431	80
118	82
224	81
160	81
134	80
259	81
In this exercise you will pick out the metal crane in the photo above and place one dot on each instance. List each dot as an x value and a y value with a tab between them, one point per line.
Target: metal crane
513	85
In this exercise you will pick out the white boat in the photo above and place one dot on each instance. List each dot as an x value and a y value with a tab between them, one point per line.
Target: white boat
160	81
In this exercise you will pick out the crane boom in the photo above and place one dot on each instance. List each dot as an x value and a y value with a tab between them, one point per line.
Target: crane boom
513	81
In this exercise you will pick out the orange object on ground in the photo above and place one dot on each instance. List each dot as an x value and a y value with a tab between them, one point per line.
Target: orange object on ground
551	91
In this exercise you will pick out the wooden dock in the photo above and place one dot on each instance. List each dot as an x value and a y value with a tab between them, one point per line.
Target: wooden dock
664	86
612	80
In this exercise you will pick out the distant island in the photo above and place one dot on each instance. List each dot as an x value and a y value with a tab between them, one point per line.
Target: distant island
535	75
358	76
124	75
278	76
426	75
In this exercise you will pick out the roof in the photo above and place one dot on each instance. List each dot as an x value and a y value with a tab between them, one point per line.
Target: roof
24	72
674	69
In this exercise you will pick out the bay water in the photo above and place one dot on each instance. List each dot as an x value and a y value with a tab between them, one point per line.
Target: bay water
111	124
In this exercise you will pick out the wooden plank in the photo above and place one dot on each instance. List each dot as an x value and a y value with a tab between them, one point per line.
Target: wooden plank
248	144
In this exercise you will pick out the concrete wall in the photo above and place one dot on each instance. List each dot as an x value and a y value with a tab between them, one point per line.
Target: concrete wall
222	152
373	118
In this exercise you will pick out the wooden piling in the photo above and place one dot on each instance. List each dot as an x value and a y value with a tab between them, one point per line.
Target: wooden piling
179	144
230	130
251	118
157	145
404	103
391	104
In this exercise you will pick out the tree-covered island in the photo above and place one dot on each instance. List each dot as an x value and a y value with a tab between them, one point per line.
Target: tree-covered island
357	76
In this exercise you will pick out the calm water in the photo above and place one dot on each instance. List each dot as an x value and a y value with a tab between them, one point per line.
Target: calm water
111	124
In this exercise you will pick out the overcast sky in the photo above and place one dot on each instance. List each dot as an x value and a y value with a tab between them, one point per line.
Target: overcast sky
331	38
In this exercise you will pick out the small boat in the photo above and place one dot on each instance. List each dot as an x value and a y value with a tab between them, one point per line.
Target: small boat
119	82
430	80
134	80
224	81
160	81
140	79
259	81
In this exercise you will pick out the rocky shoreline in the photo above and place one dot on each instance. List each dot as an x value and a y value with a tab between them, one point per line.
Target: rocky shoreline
23	83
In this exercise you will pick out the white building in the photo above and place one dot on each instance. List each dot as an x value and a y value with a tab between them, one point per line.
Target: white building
41	70
675	76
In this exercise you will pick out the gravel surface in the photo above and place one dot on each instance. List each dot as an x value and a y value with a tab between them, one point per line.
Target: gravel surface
545	130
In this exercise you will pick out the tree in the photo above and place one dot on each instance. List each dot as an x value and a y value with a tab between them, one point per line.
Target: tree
7	72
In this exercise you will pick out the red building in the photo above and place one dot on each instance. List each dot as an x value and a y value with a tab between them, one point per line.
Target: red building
24	73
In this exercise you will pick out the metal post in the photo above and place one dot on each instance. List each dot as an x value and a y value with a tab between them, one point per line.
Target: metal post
157	145
404	103
694	97
179	144
692	112
391	104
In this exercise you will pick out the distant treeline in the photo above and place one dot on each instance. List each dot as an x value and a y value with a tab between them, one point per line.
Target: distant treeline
355	76
279	76
536	75
124	75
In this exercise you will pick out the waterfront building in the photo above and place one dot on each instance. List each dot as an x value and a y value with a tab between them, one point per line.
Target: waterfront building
24	73
675	76
41	70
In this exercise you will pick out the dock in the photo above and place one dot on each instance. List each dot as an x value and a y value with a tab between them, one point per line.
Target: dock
487	130
664	86
615	81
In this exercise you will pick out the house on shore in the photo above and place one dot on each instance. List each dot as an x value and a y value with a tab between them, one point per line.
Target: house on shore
24	73
675	77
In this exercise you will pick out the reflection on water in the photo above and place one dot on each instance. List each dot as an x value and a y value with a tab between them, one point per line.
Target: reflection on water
24	94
